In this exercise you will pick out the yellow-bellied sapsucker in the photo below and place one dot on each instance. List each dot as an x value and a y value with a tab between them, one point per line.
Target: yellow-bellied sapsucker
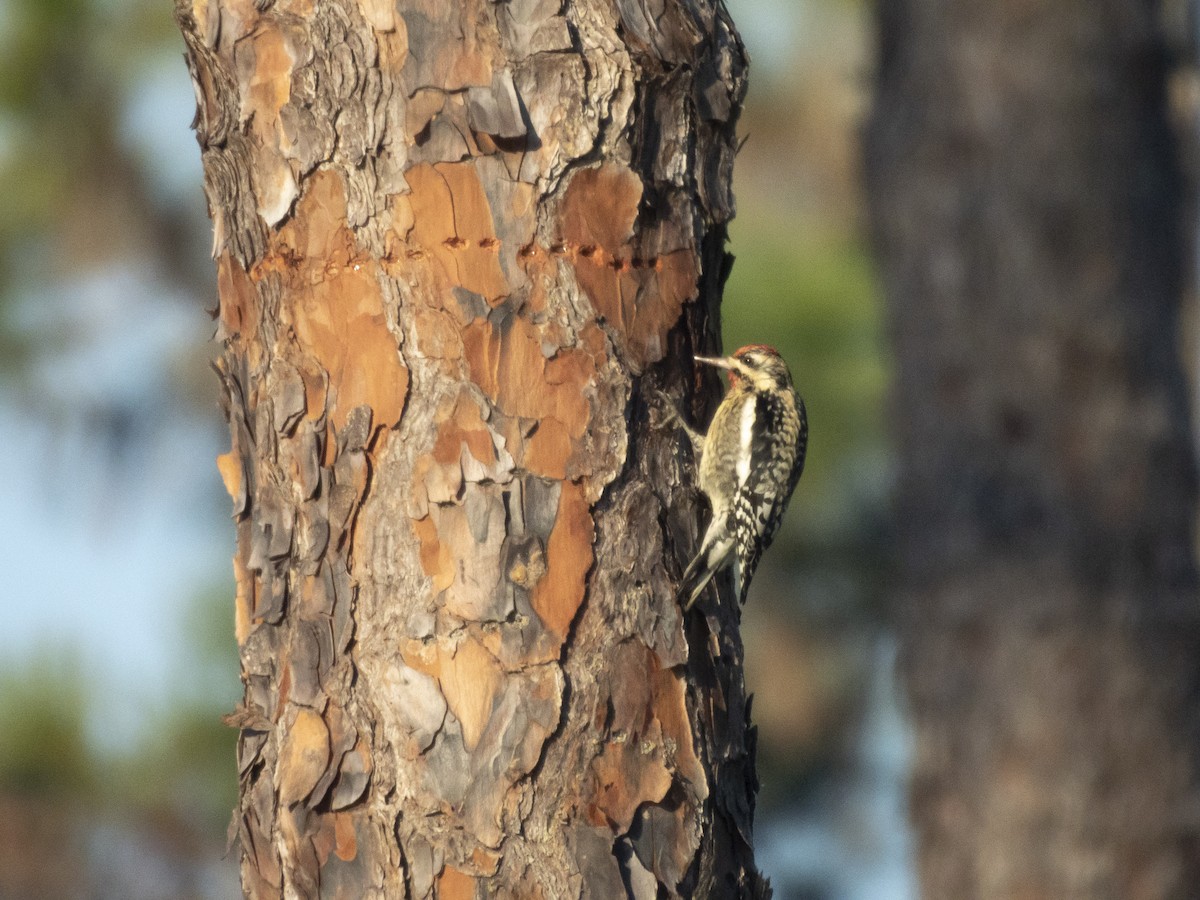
750	461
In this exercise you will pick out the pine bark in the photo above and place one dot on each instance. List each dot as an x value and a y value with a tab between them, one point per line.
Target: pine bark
1031	220
456	243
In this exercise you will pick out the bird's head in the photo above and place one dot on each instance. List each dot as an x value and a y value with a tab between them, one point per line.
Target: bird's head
758	365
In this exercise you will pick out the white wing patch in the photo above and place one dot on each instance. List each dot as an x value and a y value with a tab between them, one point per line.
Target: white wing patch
747	437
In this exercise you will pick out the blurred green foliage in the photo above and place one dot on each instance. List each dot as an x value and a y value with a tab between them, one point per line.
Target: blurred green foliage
187	762
183	765
66	67
813	295
44	746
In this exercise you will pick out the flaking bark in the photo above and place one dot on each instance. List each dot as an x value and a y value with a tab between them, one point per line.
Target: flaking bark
454	242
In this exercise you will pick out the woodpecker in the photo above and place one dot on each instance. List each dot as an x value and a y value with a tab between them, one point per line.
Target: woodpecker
749	461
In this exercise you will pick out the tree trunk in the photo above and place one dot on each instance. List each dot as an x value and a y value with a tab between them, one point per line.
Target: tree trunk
1029	213
455	242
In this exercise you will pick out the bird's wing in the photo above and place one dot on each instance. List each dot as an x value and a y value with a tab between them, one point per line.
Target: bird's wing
761	498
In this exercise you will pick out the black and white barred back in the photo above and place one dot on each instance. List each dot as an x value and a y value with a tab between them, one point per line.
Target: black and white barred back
776	458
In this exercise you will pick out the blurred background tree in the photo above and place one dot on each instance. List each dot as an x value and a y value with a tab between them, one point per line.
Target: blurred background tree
1033	222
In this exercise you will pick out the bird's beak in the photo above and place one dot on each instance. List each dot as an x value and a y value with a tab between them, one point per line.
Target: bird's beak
719	361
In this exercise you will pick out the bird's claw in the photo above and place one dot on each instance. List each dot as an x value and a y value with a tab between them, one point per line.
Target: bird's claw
663	411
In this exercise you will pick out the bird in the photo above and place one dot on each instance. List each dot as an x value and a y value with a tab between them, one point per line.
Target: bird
749	461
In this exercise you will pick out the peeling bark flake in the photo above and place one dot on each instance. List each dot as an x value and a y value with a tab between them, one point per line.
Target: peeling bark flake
303	757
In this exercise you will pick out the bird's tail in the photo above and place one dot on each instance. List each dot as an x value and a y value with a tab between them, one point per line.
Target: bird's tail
700	571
